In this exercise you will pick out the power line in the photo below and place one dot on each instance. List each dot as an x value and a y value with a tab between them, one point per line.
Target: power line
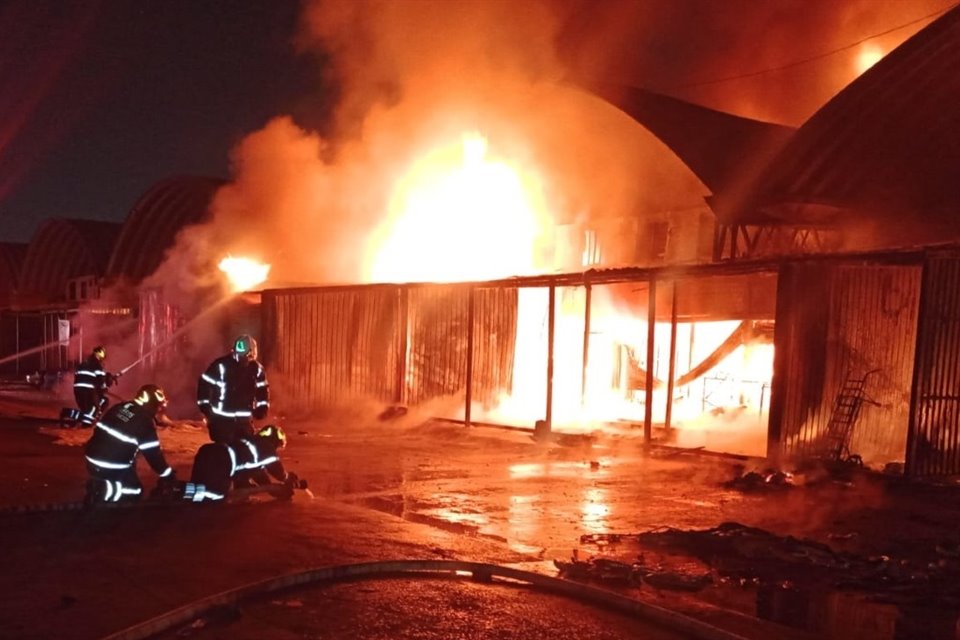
797	63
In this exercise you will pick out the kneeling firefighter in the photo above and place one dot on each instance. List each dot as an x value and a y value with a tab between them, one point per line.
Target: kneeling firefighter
217	465
125	431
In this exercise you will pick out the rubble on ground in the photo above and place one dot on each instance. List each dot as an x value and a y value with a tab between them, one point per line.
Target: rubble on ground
745	556
615	572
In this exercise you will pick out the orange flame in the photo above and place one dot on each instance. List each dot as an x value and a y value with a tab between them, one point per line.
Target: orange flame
244	273
458	215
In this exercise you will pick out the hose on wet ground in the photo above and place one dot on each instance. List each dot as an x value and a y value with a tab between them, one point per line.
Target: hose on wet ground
478	571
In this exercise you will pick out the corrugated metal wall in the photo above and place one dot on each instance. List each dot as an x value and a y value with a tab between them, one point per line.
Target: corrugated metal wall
935	418
390	343
495	335
325	345
835	322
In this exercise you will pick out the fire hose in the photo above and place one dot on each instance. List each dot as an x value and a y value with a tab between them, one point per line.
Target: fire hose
478	571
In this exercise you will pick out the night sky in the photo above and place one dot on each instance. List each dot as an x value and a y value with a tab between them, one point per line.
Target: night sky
100	100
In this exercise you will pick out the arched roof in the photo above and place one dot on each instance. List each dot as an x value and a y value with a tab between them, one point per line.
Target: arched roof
11	260
886	146
62	249
152	225
722	149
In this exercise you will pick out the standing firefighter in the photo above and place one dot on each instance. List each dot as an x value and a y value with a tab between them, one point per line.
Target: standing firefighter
90	382
217	466
125	431
233	390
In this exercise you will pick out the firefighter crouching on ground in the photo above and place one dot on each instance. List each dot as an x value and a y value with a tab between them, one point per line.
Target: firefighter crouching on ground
90	383
232	391
125	431
216	466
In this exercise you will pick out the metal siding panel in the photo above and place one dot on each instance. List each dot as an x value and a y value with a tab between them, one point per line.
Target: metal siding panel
861	331
934	440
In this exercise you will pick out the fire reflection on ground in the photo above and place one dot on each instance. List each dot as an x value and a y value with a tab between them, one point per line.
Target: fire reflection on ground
595	510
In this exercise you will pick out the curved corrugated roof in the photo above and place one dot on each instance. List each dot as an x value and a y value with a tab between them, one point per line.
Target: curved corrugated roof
153	223
722	149
62	249
11	261
885	146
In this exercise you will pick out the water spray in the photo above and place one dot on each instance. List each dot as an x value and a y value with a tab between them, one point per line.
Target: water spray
26	352
176	334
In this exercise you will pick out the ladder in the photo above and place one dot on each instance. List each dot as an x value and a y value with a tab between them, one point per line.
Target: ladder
846	411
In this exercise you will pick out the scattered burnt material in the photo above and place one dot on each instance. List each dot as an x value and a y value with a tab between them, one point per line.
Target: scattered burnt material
748	556
617	573
761	481
392	413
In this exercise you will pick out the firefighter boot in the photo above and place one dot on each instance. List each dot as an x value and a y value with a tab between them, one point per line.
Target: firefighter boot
96	492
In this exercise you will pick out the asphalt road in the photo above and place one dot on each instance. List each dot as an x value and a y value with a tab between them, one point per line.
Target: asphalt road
404	490
425	609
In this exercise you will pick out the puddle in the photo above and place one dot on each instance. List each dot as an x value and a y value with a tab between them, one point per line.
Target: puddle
853	615
406	508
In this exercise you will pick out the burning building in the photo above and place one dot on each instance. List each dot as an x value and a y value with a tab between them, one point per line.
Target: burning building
805	259
499	240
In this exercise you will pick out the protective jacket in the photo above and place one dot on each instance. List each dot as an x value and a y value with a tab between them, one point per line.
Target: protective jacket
126	430
90	374
216	465
234	388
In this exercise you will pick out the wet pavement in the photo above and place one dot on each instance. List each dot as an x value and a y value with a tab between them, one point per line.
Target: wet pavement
403	489
446	609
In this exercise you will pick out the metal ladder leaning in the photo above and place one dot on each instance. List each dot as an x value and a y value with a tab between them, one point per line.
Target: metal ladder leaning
846	411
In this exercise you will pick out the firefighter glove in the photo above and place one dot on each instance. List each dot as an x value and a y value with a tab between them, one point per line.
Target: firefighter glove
260	412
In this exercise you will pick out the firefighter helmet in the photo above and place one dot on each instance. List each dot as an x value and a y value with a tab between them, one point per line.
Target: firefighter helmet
152	397
274	432
245	347
99	352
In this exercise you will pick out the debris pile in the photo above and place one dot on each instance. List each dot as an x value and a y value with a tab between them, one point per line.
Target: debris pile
767	480
614	572
745	556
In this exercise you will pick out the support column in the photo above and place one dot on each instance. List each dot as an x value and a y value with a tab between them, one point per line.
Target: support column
586	343
551	322
651	336
672	368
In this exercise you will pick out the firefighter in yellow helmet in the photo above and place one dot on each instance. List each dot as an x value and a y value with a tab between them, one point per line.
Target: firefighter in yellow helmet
217	466
124	432
90	384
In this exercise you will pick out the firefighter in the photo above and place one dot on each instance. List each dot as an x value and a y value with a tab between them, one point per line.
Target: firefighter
217	466
90	383
125	431
232	391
